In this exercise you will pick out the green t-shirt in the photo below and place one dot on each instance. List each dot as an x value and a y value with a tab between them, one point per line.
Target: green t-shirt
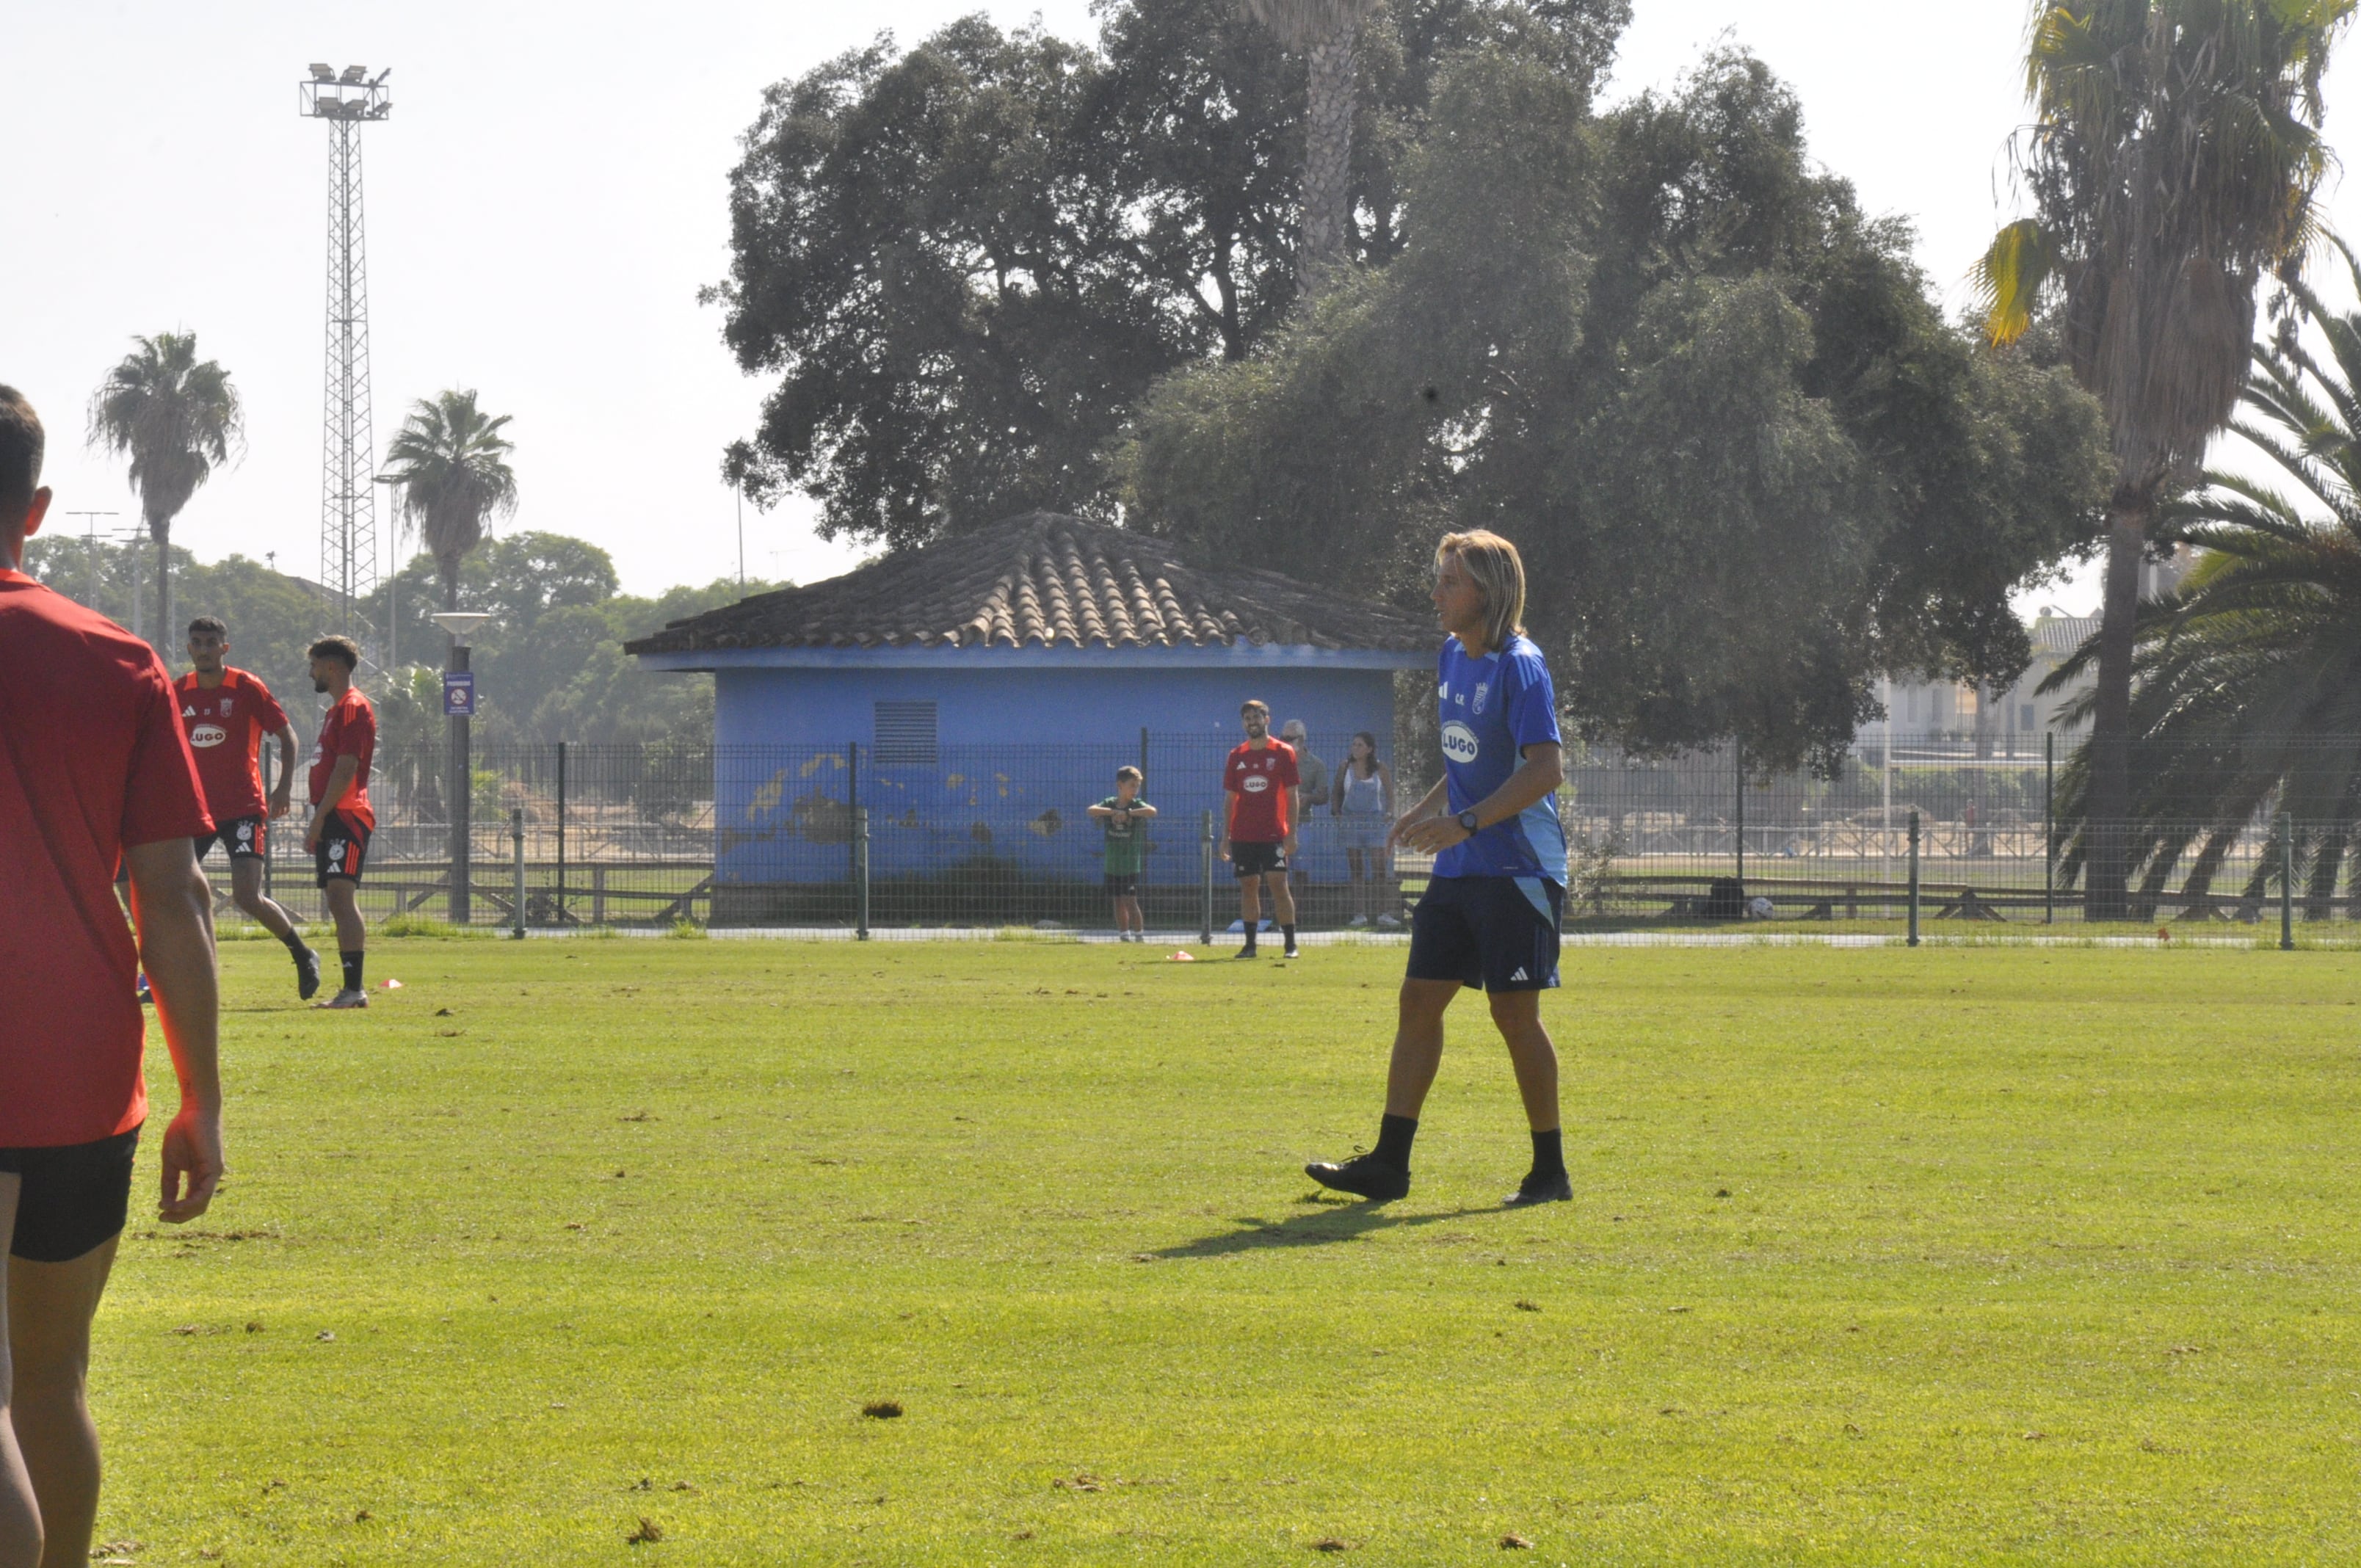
1123	840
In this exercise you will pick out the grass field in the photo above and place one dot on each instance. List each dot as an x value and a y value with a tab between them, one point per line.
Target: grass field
1988	1255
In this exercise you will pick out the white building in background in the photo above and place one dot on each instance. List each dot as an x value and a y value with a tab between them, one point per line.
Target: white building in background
2012	721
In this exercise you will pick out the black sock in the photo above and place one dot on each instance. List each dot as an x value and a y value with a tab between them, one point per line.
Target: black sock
294	940
1549	1152
1250	934
1288	932
353	970
1394	1134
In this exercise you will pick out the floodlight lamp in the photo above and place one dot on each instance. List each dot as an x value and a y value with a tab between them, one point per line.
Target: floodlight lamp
354	74
323	72
459	622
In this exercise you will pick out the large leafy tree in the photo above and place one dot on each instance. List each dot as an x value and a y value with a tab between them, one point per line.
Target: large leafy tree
965	263
2171	167
449	464
177	418
2246	691
1750	465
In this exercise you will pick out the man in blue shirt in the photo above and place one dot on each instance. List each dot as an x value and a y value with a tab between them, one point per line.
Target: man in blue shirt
1489	918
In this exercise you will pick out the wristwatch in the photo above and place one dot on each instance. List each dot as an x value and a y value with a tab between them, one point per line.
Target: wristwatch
1468	823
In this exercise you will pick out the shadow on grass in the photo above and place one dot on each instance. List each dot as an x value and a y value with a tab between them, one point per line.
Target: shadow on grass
1330	1223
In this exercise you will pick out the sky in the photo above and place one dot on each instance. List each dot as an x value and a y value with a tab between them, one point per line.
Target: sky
551	192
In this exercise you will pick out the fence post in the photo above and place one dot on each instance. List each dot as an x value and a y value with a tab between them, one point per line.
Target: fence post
1740	755
1206	935
560	832
2286	882
516	832
460	768
1143	755
861	872
852	804
1914	877
2049	827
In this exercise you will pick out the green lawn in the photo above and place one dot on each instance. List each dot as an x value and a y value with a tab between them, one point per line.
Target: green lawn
1879	1257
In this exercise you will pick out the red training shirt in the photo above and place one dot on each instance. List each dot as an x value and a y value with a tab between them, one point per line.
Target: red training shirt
349	731
92	758
226	727
1260	782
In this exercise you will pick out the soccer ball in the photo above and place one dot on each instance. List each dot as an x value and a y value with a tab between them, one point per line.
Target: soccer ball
1758	907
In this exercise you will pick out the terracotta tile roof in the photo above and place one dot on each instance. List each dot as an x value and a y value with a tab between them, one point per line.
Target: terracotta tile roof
2060	635
1046	581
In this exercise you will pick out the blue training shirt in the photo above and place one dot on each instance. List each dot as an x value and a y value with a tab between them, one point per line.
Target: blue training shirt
1490	709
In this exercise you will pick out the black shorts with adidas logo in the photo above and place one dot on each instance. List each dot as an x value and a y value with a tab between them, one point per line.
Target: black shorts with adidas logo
1495	933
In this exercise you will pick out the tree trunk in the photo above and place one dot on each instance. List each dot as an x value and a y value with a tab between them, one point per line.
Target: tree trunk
162	529
1327	161
2107	825
447	568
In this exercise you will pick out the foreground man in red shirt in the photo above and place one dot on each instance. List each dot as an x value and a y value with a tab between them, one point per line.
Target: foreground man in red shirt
341	817
94	767
227	712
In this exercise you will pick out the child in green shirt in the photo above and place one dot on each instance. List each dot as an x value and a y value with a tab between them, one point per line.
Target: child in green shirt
1125	817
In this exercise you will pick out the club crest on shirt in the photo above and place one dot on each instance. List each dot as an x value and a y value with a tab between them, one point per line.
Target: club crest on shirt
1483	690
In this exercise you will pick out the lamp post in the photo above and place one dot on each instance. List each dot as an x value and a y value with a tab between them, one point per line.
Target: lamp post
458	707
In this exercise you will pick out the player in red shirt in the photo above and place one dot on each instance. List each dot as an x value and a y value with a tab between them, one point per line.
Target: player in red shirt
94	769
1265	805
342	820
226	713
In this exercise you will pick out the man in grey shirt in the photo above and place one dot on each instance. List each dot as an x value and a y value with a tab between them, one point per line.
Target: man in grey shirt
1309	768
1312	775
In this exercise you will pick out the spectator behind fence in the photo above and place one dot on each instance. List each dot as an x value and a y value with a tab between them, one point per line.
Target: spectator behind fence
1125	817
1364	809
94	769
1314	772
1310	768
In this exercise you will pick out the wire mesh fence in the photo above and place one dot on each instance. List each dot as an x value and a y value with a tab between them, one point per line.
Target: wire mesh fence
1935	832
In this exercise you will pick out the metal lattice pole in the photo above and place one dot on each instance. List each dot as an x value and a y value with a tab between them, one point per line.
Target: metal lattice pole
349	563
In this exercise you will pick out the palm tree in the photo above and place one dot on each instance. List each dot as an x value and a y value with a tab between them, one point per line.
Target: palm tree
2248	676
1323	32
2173	162
176	417
449	463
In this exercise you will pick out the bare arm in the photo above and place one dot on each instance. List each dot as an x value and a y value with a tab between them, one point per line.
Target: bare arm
282	794
1142	810
1101	811
1536	778
340	778
174	910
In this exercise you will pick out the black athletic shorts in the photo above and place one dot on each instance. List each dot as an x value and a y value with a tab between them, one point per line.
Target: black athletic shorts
1123	885
343	850
70	1199
246	838
1254	859
1495	933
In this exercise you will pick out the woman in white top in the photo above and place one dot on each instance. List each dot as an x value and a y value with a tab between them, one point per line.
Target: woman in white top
1362	801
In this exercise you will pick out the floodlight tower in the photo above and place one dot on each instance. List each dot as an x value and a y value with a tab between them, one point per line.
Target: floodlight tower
346	100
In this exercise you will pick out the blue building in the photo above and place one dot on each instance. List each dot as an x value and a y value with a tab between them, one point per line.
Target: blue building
977	694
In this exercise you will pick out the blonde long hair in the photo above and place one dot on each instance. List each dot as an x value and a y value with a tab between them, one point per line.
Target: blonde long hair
1498	573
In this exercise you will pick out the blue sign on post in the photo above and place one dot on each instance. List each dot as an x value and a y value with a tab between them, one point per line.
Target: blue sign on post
458	694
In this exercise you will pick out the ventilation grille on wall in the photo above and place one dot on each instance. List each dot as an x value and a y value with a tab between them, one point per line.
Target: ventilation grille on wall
905	734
